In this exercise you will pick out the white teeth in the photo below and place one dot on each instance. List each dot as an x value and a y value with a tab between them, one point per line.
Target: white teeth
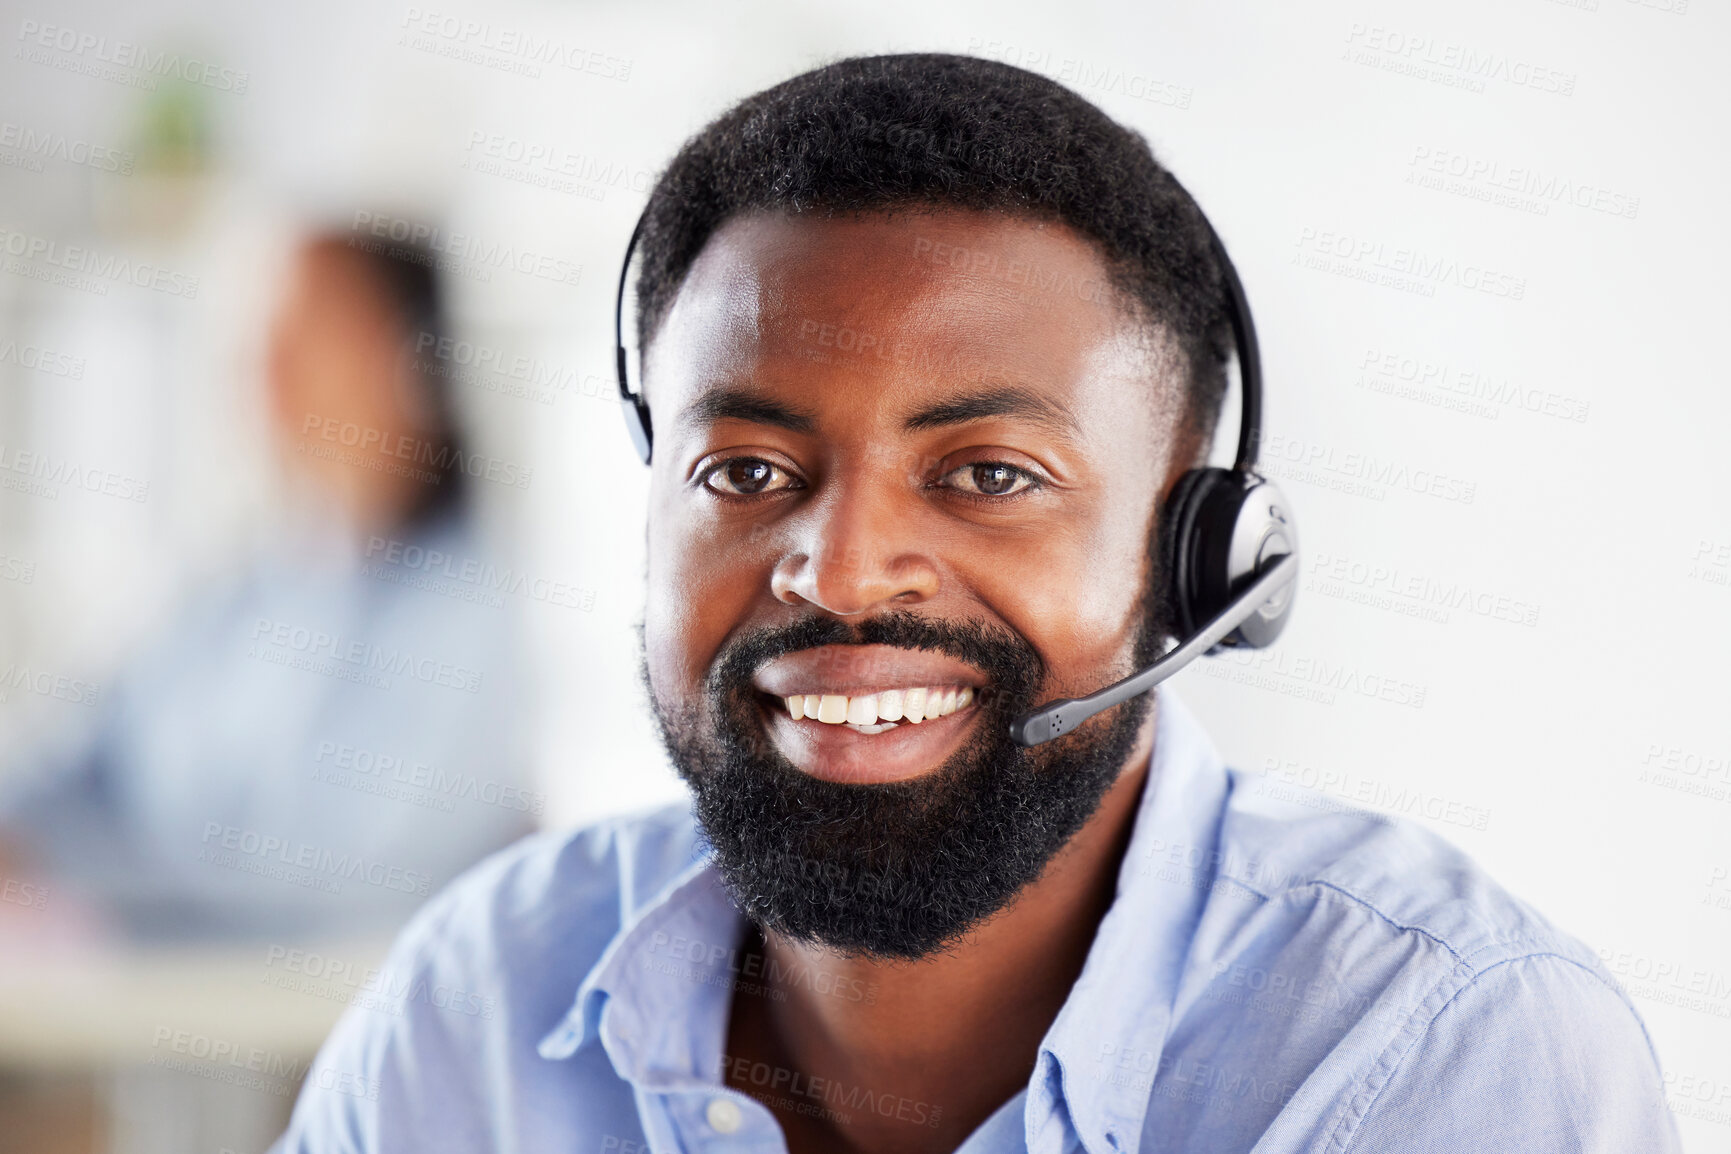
876	712
914	705
890	705
878	728
863	710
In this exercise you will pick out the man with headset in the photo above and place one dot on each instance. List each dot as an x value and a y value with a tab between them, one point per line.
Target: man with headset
930	350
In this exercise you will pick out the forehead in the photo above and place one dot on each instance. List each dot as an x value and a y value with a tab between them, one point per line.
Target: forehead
871	312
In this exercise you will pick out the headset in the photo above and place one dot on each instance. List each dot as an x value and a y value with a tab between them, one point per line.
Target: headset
1229	545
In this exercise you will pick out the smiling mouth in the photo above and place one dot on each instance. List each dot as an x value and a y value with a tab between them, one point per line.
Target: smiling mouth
879	712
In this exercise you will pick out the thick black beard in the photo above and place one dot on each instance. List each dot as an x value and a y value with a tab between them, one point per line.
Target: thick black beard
896	870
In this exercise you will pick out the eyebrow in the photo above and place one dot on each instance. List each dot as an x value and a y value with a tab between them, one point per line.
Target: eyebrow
995	401
732	403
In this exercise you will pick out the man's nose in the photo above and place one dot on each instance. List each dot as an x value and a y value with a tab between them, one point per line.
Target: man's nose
850	552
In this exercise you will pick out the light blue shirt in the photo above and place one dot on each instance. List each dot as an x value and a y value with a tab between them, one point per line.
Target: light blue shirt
1270	976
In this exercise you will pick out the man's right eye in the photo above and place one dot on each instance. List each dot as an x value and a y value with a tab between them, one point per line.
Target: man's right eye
747	477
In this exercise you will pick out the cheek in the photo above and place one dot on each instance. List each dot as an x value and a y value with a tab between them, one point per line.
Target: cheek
701	586
1076	597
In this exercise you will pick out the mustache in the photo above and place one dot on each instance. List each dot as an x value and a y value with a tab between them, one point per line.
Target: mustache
1012	667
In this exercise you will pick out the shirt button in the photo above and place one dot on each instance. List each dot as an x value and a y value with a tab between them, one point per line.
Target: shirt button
723	1115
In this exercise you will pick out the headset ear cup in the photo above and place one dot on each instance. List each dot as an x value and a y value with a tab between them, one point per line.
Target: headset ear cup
1180	553
1224	526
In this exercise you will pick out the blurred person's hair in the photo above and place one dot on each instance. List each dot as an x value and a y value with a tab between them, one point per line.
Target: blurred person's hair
930	131
408	277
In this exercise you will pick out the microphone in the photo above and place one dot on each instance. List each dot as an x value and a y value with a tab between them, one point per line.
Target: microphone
1056	718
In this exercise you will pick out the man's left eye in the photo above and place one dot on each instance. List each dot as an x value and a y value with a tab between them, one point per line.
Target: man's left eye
990	479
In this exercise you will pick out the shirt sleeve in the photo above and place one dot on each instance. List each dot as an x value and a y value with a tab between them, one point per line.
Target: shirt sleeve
1538	1054
398	1075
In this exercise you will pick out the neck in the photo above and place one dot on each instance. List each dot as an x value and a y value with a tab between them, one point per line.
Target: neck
948	1038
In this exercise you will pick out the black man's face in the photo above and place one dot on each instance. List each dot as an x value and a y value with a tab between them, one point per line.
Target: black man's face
907	466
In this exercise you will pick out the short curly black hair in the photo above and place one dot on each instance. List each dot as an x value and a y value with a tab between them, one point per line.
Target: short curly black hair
935	130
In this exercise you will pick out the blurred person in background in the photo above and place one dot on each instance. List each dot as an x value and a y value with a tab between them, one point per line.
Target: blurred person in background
323	744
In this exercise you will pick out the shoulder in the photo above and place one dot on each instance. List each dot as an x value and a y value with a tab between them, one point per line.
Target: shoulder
1544	1053
1408	989
1291	847
524	926
479	977
552	888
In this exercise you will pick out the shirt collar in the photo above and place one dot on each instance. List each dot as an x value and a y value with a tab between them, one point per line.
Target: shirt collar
658	998
1098	1061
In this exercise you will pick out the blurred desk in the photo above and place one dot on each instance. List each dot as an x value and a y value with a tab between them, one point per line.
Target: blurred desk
186	1047
111	1005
